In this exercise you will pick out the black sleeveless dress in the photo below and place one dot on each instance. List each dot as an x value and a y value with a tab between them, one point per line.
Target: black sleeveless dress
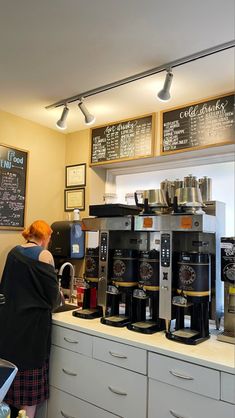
31	385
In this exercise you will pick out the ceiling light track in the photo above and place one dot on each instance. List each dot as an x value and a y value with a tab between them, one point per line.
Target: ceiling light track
165	67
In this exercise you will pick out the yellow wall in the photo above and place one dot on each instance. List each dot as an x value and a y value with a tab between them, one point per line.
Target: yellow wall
49	152
45	182
77	151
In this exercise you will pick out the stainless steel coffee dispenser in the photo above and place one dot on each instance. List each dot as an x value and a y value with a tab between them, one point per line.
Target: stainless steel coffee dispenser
119	245
189	234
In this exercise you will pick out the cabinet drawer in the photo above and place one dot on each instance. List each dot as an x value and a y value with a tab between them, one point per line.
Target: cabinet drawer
72	340
185	375
62	405
112	388
167	401
228	387
121	355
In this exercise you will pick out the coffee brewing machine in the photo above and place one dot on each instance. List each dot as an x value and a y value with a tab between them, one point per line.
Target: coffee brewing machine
228	277
190	289
119	249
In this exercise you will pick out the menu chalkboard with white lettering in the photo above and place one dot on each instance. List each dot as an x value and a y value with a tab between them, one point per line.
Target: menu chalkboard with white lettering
198	125
124	140
13	170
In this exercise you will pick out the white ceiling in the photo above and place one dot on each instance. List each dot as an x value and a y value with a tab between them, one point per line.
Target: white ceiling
54	49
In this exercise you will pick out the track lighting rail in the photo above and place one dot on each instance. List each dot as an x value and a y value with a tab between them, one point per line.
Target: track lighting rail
165	67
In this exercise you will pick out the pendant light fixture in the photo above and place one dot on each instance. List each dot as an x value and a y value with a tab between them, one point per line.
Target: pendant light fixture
61	123
89	118
164	94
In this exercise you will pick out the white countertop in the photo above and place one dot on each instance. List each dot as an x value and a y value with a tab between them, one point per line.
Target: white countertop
211	353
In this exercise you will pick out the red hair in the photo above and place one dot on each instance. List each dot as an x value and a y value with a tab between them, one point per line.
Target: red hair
38	229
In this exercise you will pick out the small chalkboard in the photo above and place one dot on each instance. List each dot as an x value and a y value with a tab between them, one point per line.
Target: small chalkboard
198	125
124	140
13	170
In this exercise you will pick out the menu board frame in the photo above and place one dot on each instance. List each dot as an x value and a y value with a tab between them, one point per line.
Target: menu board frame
198	102
111	161
7	165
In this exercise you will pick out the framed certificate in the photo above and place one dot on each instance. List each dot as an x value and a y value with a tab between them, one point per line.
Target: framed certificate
75	175
74	199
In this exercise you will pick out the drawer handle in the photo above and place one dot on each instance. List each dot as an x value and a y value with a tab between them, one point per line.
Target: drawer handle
65	415
70	341
69	373
181	376
174	414
117	355
118	392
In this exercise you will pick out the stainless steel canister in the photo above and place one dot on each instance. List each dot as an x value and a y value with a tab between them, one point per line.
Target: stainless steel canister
205	185
190	181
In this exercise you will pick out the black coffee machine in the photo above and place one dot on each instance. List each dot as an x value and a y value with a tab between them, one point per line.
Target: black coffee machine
145	313
191	301
124	280
89	291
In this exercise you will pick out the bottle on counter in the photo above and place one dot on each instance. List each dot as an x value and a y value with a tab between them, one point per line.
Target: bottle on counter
22	414
76	215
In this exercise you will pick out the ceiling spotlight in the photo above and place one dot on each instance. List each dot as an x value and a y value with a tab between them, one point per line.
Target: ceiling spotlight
89	118
61	123
164	94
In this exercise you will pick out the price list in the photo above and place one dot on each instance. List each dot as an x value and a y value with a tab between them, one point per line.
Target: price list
122	140
199	125
13	167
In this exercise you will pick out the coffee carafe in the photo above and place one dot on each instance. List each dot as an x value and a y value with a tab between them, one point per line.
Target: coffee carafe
191	302
90	308
120	291
228	277
145	312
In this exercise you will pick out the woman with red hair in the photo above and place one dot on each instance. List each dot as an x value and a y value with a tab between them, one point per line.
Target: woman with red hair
29	284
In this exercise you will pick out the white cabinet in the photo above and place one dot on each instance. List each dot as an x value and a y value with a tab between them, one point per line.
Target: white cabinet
112	388
228	388
185	375
94	377
63	405
183	390
167	401
121	355
115	387
72	340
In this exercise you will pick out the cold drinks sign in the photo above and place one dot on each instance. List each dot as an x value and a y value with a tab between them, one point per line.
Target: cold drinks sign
198	125
13	170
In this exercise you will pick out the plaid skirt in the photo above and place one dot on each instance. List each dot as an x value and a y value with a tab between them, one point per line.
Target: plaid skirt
30	387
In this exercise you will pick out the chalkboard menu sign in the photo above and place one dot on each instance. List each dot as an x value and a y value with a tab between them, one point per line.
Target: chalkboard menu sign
198	125
13	170
124	140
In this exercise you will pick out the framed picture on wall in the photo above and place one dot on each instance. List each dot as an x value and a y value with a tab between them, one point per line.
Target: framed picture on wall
75	175
74	199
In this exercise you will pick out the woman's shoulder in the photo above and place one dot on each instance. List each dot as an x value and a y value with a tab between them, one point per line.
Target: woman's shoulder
46	257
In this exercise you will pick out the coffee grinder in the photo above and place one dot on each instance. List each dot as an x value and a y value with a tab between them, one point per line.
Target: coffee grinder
120	292
228	277
90	309
145	315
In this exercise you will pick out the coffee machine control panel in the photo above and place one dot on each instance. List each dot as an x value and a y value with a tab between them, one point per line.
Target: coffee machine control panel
103	269
103	246
165	250
165	305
